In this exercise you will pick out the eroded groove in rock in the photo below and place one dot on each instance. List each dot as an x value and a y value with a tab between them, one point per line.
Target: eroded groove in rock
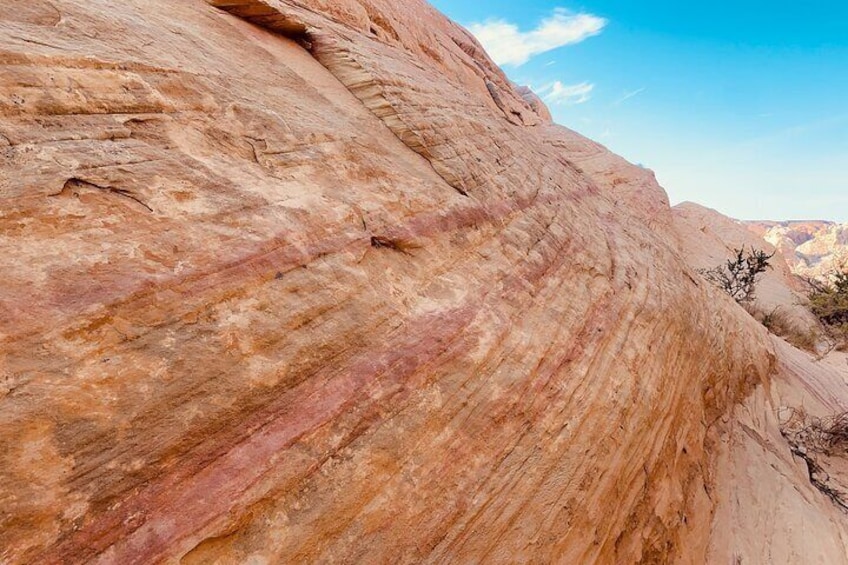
264	15
74	187
376	91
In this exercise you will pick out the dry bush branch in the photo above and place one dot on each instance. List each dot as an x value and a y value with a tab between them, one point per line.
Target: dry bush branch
738	276
809	437
779	322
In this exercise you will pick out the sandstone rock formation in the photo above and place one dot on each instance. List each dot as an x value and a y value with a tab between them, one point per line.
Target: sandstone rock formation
767	510
290	281
812	249
709	239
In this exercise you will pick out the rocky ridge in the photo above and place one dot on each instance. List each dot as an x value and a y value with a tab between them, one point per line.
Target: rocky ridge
290	281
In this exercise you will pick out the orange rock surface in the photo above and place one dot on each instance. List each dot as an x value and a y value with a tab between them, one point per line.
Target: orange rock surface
290	281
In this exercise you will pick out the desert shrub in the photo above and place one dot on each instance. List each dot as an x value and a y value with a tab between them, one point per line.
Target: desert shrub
781	324
827	435
803	339
809	438
829	303
738	276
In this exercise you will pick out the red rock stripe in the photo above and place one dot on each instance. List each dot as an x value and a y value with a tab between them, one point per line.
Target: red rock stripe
169	511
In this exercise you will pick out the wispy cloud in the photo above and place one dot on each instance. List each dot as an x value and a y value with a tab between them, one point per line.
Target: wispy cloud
629	95
507	45
567	94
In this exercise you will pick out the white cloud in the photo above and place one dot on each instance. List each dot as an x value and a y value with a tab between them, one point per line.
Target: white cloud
567	94
629	95
509	46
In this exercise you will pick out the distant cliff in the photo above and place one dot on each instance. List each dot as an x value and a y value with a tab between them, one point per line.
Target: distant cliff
810	248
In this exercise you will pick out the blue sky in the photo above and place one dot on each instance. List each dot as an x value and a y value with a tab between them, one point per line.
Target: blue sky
740	106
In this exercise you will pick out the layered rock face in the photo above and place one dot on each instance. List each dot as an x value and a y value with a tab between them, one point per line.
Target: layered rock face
767	509
812	249
709	239
309	282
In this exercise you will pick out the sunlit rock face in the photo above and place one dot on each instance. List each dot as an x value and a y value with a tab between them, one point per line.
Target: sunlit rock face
310	282
710	239
767	510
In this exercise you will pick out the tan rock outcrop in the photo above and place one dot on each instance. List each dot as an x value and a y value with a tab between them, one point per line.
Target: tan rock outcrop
292	282
767	510
709	239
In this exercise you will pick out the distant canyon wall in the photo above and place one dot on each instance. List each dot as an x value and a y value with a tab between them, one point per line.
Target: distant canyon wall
813	249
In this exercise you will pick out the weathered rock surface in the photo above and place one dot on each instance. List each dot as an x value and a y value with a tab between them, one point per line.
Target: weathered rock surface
812	249
291	282
767	509
709	239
